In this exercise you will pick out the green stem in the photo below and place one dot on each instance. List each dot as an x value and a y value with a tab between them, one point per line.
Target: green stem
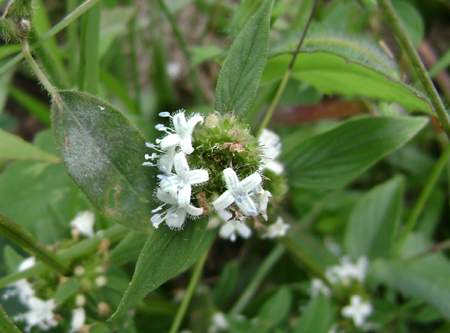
414	59
196	273
21	237
6	324
185	49
37	70
426	193
264	269
85	247
269	113
61	25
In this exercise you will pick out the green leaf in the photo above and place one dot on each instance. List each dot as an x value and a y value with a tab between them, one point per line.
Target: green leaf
6	324
442	64
317	316
333	159
242	69
103	153
66	290
349	67
275	310
374	220
411	19
13	147
128	249
166	254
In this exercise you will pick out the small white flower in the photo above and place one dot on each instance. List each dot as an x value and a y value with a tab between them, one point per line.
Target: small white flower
40	314
78	320
262	200
80	300
357	310
238	192
183	132
174	69
175	215
101	281
319	287
84	223
270	144
22	288
219	323
277	229
179	185
346	271
232	227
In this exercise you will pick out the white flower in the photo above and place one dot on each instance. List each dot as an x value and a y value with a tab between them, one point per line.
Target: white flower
22	288
84	223
219	323
238	192
346	271
78	320
179	185
40	314
174	69
357	310
262	200
233	227
318	287
270	144
175	215
101	281
183	132
277	229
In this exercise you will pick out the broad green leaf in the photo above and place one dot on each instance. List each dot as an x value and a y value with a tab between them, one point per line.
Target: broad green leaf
333	159
347	66
374	220
242	69
317	316
103	153
241	15
6	324
13	147
128	249
166	254
275	310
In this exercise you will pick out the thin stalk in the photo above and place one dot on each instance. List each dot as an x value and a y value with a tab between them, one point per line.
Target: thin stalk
185	49
264	269
417	64
85	247
418	208
132	32
276	99
37	70
195	277
25	240
61	25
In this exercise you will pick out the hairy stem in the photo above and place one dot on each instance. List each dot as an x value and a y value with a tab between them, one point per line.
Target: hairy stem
26	241
417	65
195	277
279	92
264	269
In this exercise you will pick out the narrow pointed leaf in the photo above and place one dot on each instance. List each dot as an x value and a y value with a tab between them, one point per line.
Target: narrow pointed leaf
103	153
333	159
241	72
166	254
6	324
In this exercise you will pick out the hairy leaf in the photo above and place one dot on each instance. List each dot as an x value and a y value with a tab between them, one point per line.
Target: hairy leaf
374	220
242	69
103	153
333	159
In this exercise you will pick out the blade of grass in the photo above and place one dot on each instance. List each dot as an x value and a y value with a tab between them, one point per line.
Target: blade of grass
25	240
31	104
89	43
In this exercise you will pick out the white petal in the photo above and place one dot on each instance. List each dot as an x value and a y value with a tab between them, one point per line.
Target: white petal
165	162
275	166
166	197
194	211
194	120
181	164
78	319
170	184
198	176
230	178
156	220
180	123
246	204
222	202
169	141
186	144
243	230
84	223
226	230
251	182
184	196
175	217
224	214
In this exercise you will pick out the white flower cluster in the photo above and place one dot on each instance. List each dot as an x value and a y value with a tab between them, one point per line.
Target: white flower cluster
40	312
343	275
175	186
242	198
